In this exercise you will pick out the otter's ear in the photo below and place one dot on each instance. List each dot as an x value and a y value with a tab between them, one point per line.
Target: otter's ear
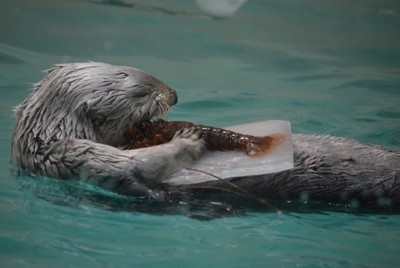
138	91
97	118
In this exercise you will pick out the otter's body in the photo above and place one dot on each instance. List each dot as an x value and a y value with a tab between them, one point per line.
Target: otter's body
73	126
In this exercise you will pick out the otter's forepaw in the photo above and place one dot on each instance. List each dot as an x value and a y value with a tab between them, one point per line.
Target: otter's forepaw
191	143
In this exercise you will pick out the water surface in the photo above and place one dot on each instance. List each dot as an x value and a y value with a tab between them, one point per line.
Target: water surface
328	67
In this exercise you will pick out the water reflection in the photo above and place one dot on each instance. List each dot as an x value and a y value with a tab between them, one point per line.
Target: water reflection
220	8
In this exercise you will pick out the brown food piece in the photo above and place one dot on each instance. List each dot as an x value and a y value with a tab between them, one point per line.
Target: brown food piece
217	139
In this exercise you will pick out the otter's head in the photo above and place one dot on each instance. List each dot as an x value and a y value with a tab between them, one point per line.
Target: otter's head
115	98
94	101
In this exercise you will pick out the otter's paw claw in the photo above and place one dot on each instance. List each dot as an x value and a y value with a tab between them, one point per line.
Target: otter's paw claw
187	133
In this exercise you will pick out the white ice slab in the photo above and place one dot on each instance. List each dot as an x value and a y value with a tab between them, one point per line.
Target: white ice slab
236	163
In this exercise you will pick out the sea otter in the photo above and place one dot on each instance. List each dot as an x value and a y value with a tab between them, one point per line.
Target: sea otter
74	123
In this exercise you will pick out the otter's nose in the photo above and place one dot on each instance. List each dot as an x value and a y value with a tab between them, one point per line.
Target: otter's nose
173	97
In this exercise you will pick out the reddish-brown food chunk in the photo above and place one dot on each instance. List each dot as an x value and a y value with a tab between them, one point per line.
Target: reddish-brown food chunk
217	139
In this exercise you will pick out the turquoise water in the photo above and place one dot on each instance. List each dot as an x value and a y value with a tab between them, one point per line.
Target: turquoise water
330	67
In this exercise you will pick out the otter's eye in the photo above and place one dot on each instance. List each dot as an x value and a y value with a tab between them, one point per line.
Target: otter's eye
138	91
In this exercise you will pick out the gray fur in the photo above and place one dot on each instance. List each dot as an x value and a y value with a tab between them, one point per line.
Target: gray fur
73	126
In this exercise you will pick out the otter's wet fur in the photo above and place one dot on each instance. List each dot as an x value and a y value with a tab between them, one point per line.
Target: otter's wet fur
73	125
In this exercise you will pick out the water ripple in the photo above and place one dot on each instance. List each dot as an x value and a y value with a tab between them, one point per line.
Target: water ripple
380	86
